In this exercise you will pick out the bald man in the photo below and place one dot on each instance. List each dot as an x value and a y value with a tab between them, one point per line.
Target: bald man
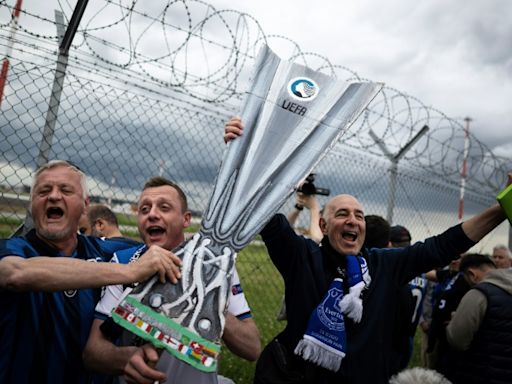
312	274
308	271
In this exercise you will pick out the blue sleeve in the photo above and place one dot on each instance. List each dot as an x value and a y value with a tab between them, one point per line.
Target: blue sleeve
16	246
285	248
242	316
112	245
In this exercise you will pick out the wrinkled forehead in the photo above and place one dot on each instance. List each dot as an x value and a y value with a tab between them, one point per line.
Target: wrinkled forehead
58	174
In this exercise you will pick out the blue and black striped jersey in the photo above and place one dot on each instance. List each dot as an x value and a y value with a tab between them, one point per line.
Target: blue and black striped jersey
42	334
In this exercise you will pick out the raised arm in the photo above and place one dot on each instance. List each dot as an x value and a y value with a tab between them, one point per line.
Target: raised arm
293	215
311	203
44	273
480	225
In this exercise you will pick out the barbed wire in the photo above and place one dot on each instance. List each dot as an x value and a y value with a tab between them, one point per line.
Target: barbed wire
148	88
194	53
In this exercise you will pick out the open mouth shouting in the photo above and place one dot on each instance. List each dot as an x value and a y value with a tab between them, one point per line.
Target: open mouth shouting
350	236
155	233
54	213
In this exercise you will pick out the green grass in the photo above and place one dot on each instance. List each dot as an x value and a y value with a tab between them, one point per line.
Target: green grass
416	358
8	225
263	288
124	219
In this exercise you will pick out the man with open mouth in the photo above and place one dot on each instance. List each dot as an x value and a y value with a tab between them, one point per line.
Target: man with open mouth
340	297
50	281
162	216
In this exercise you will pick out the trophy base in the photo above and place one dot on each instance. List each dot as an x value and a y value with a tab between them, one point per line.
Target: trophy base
165	333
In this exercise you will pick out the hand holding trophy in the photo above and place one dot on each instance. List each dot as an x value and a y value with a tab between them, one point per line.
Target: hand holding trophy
292	116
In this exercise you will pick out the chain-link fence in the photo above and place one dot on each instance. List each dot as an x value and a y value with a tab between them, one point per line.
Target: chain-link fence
147	92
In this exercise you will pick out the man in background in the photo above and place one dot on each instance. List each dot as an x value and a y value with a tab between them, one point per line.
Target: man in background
50	280
411	305
481	327
501	256
378	232
100	221
103	221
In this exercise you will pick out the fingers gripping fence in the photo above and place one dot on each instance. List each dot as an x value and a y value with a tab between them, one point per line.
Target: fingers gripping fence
148	88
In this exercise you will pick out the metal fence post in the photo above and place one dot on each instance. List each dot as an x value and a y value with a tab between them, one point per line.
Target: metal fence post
394	166
65	38
53	105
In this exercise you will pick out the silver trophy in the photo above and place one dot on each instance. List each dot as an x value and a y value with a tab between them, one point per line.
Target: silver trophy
292	117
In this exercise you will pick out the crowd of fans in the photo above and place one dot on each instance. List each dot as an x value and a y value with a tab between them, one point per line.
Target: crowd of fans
357	292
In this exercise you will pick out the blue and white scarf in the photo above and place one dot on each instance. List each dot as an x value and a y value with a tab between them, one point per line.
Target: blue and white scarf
325	341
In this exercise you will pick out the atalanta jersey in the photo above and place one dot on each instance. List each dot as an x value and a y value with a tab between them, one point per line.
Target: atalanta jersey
418	287
42	334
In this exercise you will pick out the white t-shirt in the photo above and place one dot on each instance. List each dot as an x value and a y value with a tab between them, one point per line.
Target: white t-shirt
237	304
177	371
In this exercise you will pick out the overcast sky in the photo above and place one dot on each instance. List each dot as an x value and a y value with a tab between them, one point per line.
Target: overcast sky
454	55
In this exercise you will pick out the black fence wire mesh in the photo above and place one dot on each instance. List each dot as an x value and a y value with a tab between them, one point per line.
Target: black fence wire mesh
146	92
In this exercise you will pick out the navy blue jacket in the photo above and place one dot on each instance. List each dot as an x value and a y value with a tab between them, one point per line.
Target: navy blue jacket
307	273
489	358
42	334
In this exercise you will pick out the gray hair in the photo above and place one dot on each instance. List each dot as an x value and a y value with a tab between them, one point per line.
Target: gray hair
61	163
501	246
418	375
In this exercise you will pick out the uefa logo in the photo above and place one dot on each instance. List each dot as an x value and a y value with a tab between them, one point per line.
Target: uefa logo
303	88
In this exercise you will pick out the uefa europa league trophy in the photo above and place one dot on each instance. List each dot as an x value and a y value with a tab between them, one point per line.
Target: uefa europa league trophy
292	117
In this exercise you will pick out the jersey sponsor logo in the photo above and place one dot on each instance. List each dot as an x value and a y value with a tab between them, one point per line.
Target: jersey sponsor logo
303	88
236	289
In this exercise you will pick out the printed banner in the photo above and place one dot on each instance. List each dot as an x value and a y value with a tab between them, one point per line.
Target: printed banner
292	117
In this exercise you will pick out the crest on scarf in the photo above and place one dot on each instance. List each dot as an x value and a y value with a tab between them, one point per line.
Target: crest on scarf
324	342
331	318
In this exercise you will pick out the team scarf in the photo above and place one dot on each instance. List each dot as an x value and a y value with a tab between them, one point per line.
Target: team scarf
324	342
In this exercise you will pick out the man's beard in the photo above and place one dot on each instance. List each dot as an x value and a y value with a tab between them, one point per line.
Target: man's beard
54	235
